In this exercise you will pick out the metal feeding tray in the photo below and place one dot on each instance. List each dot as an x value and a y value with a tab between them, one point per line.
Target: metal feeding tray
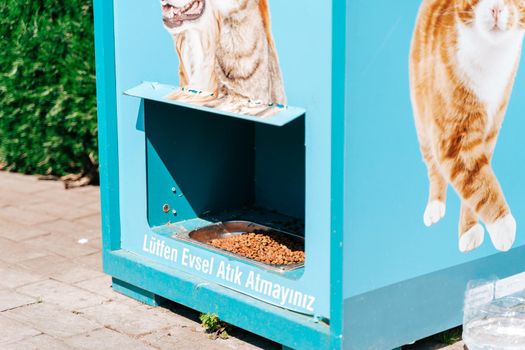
230	228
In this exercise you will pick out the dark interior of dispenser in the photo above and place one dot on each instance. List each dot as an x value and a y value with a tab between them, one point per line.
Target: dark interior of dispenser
220	168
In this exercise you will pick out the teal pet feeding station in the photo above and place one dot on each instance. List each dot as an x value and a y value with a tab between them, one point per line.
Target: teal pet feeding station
337	167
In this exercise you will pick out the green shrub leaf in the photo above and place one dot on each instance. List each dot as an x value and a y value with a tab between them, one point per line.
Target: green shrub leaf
47	87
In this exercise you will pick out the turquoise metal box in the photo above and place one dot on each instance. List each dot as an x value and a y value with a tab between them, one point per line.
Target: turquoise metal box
317	138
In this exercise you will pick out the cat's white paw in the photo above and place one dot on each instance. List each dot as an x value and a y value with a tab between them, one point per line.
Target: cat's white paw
503	233
472	239
434	212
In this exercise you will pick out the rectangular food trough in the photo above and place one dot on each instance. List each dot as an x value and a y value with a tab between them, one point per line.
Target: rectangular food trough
304	126
220	230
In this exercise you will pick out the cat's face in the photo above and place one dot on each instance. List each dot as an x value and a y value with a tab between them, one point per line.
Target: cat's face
493	19
178	15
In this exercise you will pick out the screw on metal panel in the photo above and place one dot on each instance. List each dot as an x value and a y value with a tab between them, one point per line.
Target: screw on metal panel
174	190
174	211
166	208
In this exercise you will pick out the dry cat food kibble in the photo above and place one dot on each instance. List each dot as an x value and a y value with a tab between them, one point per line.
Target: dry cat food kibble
263	247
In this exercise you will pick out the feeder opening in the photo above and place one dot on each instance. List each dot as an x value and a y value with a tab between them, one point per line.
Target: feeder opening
239	183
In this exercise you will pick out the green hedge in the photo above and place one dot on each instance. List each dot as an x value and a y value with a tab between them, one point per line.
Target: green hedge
47	87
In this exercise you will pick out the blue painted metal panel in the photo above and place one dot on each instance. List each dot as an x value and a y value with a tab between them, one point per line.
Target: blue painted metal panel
280	168
385	180
124	191
219	165
288	328
107	124
144	52
410	310
208	160
136	293
403	281
158	92
339	42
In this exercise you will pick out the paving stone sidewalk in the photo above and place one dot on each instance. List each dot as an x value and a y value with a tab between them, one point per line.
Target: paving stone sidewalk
54	296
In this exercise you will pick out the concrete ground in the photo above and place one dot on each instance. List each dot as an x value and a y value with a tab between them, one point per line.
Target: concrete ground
54	296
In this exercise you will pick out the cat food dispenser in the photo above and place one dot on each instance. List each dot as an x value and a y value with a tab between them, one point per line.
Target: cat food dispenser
278	183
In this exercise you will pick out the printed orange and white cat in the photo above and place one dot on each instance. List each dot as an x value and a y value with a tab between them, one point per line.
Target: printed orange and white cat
247	61
195	31
226	48
463	63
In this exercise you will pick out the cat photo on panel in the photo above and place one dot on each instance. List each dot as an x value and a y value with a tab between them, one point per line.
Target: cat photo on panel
227	55
463	62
